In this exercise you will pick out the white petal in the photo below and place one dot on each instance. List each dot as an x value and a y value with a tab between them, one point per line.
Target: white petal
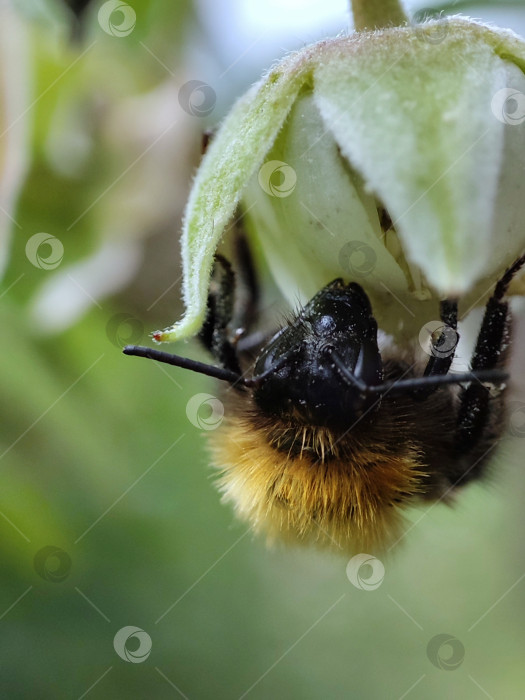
322	225
415	119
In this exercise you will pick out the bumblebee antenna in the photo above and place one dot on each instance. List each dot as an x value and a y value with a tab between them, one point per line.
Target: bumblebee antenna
184	362
400	386
489	376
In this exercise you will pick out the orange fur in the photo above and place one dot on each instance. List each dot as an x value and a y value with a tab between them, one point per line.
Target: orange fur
308	484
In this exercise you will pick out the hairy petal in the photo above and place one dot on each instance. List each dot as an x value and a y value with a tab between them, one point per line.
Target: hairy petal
416	119
234	154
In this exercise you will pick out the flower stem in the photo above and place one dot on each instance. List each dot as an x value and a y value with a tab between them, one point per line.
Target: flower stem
377	14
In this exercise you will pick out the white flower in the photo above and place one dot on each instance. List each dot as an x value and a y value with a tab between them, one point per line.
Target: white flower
351	134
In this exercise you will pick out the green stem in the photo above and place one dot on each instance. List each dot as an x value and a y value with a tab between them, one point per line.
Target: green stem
377	14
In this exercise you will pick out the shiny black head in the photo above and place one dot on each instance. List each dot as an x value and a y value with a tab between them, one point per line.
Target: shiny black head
323	368
313	368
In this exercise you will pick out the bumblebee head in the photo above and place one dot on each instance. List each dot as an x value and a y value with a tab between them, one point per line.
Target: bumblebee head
299	374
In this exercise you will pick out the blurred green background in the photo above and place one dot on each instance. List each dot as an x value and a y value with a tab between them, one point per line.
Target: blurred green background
108	513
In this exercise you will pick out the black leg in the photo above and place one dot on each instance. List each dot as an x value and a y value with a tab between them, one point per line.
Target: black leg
231	306
478	401
215	333
247	292
444	342
444	345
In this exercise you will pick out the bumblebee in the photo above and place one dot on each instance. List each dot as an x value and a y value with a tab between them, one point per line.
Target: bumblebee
326	439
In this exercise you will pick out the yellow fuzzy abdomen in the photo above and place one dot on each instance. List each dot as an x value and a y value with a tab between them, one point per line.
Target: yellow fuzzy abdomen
335	492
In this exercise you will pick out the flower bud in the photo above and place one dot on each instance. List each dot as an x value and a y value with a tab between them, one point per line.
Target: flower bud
388	158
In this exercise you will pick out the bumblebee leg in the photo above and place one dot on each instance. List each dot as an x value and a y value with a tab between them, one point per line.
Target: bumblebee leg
232	304
478	403
247	300
445	342
215	333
